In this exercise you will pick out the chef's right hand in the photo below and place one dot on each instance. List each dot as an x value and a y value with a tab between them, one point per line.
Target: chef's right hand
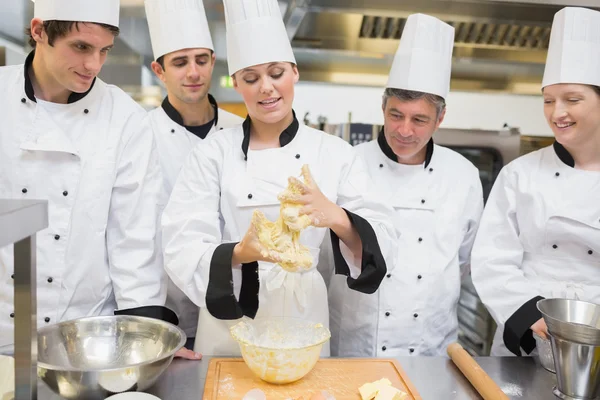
249	249
540	328
188	354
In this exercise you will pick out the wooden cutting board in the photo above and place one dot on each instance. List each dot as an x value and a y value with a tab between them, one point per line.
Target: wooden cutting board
231	379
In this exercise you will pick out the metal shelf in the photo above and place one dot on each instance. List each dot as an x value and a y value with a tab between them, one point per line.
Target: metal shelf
20	220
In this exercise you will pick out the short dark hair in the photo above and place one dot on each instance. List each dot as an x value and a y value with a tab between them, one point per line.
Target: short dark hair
56	29
161	59
410	95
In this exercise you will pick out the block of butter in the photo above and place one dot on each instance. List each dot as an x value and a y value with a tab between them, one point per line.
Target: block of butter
368	391
390	393
380	390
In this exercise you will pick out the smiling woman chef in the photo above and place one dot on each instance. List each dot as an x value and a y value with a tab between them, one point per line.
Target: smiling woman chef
208	238
540	231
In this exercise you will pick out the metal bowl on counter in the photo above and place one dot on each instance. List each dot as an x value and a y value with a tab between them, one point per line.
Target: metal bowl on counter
574	320
280	349
93	358
544	349
574	329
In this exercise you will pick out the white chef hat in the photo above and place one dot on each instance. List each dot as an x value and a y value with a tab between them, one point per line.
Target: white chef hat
574	52
255	34
176	25
423	61
98	11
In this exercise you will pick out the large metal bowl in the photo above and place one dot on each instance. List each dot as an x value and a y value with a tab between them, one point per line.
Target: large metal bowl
93	358
572	320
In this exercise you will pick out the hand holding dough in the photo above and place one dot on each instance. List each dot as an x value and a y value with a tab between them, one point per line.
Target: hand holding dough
304	202
252	248
280	240
291	205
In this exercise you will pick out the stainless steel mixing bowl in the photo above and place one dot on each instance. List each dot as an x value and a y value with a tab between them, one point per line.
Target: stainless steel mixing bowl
92	358
574	328
577	370
573	320
544	350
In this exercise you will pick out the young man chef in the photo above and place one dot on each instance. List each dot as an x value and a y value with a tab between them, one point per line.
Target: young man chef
438	201
184	62
540	232
87	148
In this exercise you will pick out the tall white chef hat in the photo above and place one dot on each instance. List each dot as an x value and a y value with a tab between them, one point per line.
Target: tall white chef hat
176	25
255	34
574	52
98	11
423	61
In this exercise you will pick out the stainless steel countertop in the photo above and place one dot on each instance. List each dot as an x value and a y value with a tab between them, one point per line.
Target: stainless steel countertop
435	378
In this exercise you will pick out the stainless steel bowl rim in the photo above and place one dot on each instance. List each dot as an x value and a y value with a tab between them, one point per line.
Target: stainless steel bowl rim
577	332
50	367
556	299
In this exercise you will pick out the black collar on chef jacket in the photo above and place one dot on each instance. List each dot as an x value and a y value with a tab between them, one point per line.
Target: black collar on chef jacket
563	154
285	137
201	130
387	150
73	97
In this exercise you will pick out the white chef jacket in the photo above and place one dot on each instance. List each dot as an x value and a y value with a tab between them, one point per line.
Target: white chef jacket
174	143
437	207
218	189
539	237
95	162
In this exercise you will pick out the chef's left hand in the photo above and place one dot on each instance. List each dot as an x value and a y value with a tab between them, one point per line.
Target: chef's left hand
322	212
188	354
540	328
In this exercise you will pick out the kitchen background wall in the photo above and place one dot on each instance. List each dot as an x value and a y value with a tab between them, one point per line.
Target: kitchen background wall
362	104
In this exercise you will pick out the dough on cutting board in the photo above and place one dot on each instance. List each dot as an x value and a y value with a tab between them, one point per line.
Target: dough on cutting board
7	377
283	235
381	390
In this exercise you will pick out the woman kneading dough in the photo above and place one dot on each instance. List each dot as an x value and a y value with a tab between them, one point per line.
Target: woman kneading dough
253	204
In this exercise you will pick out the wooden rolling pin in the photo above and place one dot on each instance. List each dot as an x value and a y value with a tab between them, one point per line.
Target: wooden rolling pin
480	380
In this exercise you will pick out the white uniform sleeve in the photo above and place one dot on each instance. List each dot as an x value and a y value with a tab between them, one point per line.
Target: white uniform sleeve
373	221
191	230
496	263
472	212
134	257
